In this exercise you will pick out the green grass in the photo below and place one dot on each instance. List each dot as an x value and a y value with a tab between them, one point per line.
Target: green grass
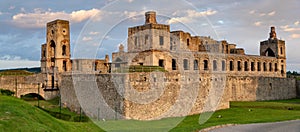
18	115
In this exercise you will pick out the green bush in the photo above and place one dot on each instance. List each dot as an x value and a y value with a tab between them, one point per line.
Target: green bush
7	92
81	118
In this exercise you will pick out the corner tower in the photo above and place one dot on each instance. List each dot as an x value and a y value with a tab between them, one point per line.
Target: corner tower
150	36
274	47
55	57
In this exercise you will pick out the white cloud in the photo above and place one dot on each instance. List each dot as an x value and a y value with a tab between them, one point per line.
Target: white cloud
252	12
257	23
272	13
87	38
1	13
130	1
297	23
94	33
189	15
38	18
295	36
262	14
9	57
287	28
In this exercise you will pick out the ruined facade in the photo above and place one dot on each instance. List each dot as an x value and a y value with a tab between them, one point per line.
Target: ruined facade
199	73
153	44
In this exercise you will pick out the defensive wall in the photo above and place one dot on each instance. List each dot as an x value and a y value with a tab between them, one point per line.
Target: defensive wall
26	84
156	95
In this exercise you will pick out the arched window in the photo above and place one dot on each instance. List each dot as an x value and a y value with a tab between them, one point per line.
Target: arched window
52	48
245	66
205	64
185	64
269	52
215	67
64	47
195	64
223	65
231	65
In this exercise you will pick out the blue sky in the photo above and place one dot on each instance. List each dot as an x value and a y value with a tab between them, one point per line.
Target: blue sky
101	25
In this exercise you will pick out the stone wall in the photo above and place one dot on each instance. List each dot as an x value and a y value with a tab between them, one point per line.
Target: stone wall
22	84
298	88
156	95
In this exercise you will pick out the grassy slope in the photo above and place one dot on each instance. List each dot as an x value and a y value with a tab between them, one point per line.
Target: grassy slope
18	115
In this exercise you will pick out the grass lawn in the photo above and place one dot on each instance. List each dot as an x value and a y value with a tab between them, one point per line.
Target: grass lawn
19	115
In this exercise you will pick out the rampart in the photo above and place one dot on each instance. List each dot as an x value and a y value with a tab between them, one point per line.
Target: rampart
156	95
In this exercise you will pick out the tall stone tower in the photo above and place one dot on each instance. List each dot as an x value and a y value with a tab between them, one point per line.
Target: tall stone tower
55	57
274	47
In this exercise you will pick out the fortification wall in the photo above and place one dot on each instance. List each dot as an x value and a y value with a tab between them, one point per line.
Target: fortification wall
22	84
151	95
298	88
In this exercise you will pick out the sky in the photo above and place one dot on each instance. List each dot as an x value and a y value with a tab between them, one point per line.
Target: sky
99	26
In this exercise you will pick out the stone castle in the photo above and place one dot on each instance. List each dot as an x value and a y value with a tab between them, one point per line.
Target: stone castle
161	73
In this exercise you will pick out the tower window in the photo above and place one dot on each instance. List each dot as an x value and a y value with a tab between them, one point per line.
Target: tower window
64	65
258	66
188	42
276	67
239	66
205	64
185	64
161	40
174	64
231	66
215	67
252	66
245	66
223	66
281	51
196	65
161	63
64	47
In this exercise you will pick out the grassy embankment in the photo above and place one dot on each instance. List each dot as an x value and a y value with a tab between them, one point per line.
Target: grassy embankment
19	115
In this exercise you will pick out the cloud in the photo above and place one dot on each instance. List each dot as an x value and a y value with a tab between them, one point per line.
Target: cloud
87	38
272	13
294	36
190	15
94	33
296	23
252	12
38	18
287	28
9	57
1	13
257	23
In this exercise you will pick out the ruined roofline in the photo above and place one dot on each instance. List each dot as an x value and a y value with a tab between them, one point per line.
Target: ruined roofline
57	21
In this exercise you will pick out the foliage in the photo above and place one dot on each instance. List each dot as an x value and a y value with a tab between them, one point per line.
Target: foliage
6	92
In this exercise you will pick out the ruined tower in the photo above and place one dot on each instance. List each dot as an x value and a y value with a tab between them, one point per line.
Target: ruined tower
274	47
55	56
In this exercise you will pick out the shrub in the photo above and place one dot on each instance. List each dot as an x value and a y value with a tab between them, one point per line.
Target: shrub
7	92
